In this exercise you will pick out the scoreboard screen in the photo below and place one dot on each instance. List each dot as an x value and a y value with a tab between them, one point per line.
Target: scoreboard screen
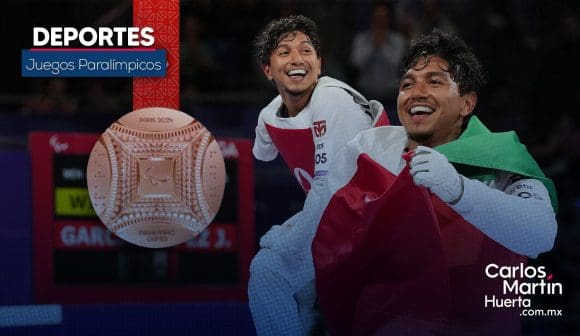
78	260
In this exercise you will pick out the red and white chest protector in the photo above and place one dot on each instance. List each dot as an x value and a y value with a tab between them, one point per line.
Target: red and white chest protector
308	141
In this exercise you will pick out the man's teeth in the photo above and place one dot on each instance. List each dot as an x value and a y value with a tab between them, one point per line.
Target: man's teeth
297	72
421	109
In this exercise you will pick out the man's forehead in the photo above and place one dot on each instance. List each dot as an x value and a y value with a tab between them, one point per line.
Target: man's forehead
428	63
293	35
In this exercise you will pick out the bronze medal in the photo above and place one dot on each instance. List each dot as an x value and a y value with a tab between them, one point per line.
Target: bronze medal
156	177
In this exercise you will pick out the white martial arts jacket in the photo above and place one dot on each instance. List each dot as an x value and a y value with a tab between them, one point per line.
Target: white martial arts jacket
308	141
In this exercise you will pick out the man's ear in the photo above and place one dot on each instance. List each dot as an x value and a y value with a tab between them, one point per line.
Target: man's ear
469	102
267	71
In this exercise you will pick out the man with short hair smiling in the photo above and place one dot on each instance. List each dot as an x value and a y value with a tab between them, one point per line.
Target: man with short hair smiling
417	212
310	119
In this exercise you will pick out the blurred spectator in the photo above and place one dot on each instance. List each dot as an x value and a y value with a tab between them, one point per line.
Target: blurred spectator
555	123
333	66
377	54
96	99
420	17
198	66
335	26
117	14
53	100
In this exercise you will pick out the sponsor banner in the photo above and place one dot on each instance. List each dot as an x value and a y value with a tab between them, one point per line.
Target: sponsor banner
93	63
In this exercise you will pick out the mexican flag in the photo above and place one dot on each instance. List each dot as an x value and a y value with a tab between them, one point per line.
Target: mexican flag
391	258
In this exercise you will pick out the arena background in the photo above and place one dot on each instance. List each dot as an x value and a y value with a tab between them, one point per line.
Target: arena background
529	48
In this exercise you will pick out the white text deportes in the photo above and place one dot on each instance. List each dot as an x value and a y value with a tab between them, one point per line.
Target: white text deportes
93	37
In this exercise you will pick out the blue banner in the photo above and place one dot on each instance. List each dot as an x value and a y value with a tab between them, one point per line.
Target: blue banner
93	63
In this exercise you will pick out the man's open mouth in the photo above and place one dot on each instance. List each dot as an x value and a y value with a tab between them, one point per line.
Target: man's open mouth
296	73
421	110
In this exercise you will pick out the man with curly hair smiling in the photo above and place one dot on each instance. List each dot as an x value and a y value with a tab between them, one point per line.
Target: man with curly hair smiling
419	212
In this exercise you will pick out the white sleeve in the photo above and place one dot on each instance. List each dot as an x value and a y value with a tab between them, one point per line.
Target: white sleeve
523	222
293	238
264	149
343	120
